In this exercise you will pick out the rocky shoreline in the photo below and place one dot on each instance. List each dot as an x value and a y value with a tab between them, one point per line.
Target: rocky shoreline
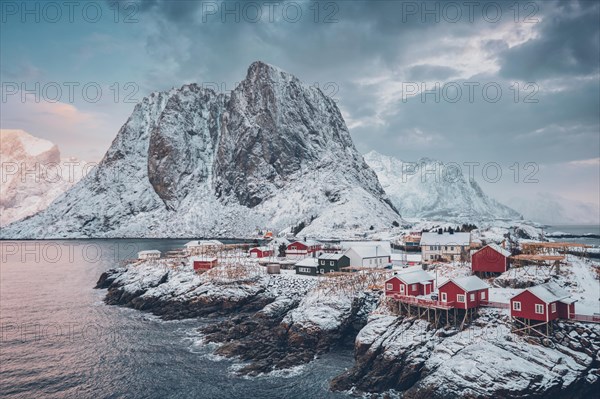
278	322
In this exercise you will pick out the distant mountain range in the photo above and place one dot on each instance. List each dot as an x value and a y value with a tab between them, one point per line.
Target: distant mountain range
418	193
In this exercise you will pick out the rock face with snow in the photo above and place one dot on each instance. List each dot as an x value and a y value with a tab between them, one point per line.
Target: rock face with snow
429	189
190	162
484	361
33	174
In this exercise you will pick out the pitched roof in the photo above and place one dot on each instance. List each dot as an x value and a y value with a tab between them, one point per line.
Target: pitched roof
549	292
264	248
469	283
415	276
308	262
497	248
460	239
331	256
370	251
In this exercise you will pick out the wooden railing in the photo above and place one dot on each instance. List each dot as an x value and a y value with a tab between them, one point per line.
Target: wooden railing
586	318
430	303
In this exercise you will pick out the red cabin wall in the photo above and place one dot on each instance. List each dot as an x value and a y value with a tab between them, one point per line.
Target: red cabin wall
565	311
453	290
488	260
395	286
204	265
528	302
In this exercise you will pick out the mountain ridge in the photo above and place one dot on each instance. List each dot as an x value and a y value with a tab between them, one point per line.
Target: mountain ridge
190	162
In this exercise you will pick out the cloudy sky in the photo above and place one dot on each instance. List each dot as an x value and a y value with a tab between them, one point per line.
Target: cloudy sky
516	84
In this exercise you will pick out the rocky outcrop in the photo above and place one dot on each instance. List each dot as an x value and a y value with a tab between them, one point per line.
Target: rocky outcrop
484	361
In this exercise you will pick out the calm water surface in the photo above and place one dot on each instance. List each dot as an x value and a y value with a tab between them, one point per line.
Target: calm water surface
59	340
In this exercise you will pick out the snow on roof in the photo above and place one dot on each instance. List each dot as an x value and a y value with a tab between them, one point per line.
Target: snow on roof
308	262
446	239
414	276
497	248
263	248
331	256
203	259
149	252
369	243
407	257
308	243
469	283
370	251
549	292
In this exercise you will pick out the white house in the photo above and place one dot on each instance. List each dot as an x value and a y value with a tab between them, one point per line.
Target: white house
444	246
150	254
375	256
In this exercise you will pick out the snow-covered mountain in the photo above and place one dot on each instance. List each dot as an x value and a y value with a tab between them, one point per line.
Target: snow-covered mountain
191	162
33	174
425	189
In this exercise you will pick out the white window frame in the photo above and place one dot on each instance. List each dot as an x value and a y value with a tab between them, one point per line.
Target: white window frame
389	286
482	295
540	307
323	262
459	296
553	307
414	287
516	306
444	297
402	288
472	297
322	271
331	263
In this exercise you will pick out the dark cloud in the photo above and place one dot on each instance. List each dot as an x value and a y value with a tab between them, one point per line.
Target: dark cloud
568	44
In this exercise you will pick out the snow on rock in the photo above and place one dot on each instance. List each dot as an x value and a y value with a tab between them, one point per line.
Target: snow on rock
191	162
428	189
485	360
33	174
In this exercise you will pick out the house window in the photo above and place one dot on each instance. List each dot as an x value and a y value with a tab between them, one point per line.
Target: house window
553	306
539	309
293	247
389	286
445	248
304	270
472	297
402	288
331	263
451	248
322	271
482	294
444	297
517	306
322	262
414	287
460	298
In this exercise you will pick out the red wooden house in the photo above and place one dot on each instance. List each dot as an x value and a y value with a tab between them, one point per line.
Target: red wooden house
545	302
302	249
201	263
490	259
413	283
261	252
465	292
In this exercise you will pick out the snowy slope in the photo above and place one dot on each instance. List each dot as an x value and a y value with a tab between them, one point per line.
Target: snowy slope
190	162
443	195
553	209
33	174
